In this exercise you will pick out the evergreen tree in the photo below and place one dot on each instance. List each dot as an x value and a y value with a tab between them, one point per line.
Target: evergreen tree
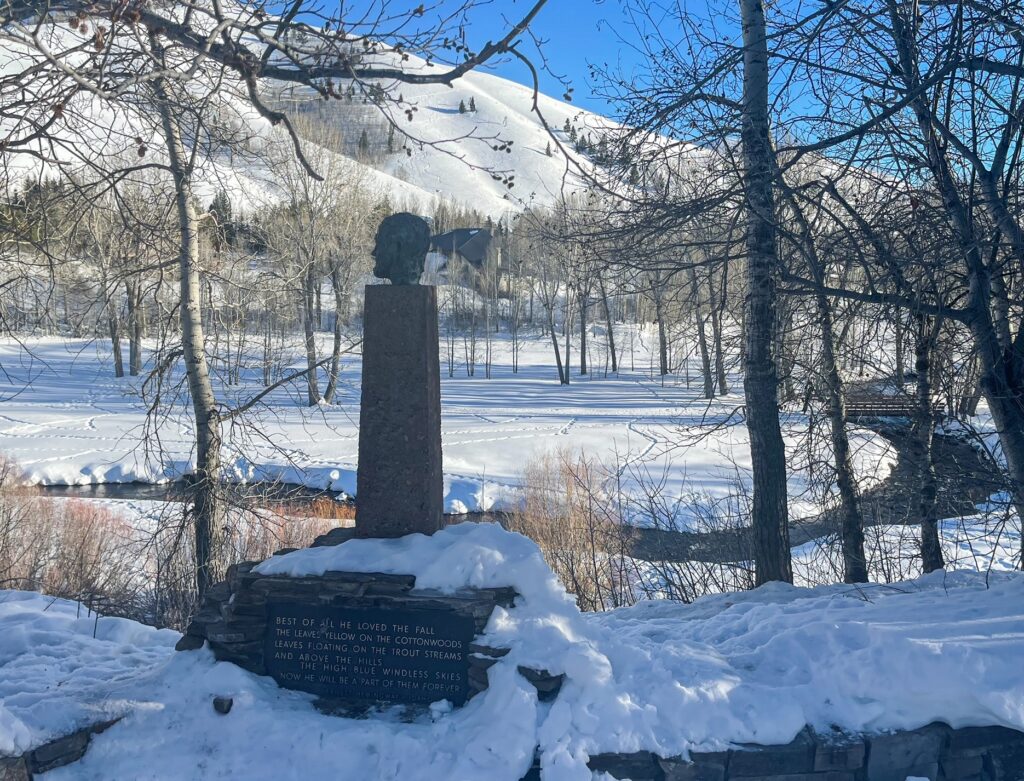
548	150
567	127
220	210
462	107
364	143
472	104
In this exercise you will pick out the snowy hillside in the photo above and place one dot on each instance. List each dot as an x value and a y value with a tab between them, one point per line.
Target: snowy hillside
466	143
470	156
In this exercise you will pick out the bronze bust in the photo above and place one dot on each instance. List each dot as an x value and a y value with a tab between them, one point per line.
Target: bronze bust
400	250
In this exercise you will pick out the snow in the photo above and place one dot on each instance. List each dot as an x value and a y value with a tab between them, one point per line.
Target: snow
62	667
465	555
660	676
986	541
67	421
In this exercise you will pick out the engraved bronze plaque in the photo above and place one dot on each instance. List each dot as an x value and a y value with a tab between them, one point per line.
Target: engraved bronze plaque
369	654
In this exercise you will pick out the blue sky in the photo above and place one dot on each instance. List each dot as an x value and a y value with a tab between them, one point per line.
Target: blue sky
575	33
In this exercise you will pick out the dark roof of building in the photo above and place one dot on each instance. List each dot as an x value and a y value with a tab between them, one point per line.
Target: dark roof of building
469	243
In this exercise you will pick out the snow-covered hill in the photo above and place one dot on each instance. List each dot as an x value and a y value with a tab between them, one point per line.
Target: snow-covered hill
480	143
469	156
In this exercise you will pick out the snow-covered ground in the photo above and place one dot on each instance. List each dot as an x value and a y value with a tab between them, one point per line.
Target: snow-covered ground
986	542
660	676
66	420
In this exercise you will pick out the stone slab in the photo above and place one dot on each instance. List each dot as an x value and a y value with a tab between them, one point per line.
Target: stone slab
399	482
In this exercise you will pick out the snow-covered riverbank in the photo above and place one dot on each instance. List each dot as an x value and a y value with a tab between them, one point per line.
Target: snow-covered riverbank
66	420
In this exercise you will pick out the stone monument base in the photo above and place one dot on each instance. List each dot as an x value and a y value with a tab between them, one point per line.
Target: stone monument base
350	637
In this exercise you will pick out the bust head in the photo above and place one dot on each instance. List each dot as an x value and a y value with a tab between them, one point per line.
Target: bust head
400	251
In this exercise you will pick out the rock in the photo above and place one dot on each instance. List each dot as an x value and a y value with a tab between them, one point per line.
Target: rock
14	769
839	752
223	705
189	643
546	684
894	757
639	766
794	757
828	775
979	739
961	768
65	750
1007	761
335	537
700	767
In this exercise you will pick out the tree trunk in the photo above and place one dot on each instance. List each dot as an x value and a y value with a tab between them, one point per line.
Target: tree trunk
608	324
567	328
662	338
335	370
204	482
114	324
1001	370
716	332
855	568
133	292
705	356
900	360
760	382
554	343
583	335
717	307
924	434
309	315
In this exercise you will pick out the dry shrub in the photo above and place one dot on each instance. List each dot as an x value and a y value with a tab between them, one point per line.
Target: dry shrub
255	535
568	513
245	535
322	507
83	550
584	520
717	529
68	548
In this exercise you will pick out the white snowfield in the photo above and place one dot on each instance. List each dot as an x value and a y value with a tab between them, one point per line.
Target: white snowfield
66	420
661	676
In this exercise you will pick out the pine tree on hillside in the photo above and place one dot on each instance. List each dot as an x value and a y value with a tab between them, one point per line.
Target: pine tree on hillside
220	210
462	107
548	150
567	128
472	104
364	143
